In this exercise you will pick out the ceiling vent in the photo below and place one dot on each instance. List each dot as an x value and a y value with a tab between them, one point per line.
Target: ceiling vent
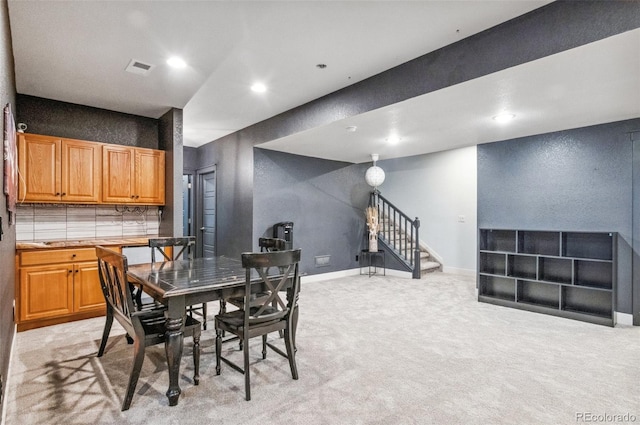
140	68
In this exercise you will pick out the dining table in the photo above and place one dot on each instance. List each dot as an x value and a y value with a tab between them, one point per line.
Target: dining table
178	284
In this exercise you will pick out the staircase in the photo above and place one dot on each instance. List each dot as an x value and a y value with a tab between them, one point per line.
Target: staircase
400	235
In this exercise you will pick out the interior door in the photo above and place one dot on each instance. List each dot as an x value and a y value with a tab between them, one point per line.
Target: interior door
206	240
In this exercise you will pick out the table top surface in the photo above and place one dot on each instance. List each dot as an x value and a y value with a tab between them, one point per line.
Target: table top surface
176	278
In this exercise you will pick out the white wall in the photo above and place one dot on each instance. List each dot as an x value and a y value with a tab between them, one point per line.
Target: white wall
438	188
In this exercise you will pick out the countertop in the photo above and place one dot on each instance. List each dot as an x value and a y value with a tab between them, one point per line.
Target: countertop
83	243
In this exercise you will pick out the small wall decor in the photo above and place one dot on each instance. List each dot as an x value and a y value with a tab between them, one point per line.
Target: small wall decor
10	156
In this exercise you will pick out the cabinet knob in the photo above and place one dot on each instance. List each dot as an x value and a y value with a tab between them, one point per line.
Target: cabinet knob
73	255
70	271
64	194
133	196
57	193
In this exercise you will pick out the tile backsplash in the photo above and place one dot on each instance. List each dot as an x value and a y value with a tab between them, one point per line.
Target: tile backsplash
70	222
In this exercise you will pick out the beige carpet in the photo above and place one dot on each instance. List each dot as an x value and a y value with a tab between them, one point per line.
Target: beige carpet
370	351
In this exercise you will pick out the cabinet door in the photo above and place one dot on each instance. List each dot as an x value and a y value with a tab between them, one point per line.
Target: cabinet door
149	177
39	164
81	171
87	293
117	174
46	291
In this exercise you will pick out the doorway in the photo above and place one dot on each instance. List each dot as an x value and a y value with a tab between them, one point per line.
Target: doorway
206	212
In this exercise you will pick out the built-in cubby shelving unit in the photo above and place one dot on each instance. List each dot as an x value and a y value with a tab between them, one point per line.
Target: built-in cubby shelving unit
567	274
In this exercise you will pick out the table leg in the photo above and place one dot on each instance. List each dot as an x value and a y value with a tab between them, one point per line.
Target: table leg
174	339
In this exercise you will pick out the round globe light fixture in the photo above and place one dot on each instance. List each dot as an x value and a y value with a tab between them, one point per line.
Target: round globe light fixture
374	175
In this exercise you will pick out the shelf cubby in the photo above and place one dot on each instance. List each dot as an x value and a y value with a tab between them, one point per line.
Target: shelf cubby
566	274
558	270
541	294
583	300
522	266
493	263
598	246
596	274
498	240
497	287
536	242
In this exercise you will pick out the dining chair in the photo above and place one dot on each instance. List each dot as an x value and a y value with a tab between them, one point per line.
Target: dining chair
266	245
180	246
145	327
260	318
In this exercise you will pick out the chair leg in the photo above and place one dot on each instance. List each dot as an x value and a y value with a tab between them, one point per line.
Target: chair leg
135	373
218	350
204	316
247	380
223	309
139	298
291	353
264	346
196	359
105	333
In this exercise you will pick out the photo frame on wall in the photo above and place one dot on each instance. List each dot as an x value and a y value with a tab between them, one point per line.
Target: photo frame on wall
10	155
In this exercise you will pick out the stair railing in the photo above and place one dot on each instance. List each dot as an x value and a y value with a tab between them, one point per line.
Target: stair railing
400	232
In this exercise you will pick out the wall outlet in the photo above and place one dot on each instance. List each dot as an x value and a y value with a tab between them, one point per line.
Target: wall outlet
357	258
322	260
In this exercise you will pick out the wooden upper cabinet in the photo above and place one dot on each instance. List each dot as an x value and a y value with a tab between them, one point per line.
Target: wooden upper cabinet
81	171
149	176
58	170
133	175
40	167
117	181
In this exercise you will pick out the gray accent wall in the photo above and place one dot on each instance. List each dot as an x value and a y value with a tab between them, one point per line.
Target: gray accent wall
440	189
574	180
62	119
233	157
8	242
170	140
324	199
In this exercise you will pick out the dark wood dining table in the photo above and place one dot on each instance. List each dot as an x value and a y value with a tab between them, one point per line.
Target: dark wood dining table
178	284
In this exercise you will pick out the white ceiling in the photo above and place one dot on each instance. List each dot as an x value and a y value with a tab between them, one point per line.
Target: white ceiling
76	51
592	84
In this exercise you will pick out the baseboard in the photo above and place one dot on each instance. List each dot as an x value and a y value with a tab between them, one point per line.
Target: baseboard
328	276
6	383
463	272
350	272
623	318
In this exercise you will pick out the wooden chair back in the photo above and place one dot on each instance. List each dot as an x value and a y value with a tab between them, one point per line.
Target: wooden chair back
179	245
270	307
112	269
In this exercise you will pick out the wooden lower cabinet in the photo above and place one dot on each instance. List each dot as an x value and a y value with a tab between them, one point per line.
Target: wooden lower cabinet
57	286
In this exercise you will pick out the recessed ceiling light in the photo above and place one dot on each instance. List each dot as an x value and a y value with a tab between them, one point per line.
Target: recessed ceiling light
504	117
351	128
259	88
176	62
393	139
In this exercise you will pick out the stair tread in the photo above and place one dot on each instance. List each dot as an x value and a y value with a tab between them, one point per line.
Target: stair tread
427	265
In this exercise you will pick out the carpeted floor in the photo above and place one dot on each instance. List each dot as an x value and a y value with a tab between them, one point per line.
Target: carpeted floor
370	351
